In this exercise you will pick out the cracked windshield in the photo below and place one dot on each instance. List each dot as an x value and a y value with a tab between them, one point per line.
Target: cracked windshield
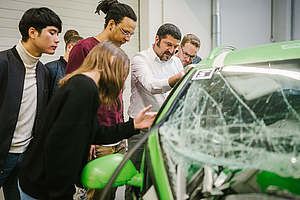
244	116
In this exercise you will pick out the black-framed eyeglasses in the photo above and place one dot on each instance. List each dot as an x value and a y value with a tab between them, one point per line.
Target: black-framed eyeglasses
186	55
127	34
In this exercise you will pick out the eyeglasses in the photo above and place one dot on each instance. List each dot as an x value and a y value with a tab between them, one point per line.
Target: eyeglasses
127	34
186	55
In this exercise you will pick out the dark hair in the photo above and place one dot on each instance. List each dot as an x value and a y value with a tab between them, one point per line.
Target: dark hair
38	18
115	10
70	33
191	38
72	40
168	29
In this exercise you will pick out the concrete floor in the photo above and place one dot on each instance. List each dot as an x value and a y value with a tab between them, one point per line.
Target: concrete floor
119	196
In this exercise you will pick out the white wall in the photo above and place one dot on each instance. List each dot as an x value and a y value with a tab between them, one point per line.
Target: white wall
296	20
244	23
191	16
286	20
150	20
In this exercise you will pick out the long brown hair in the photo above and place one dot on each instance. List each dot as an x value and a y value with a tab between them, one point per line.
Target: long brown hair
113	64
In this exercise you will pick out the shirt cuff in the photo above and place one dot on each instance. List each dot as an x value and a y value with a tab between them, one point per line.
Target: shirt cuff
166	87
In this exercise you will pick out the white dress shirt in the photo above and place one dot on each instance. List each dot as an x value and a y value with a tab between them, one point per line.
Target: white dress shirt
150	80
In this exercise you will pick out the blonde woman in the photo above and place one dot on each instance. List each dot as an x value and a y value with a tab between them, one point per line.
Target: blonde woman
59	151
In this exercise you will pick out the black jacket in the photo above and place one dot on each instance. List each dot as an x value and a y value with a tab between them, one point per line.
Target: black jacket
12	74
57	71
57	154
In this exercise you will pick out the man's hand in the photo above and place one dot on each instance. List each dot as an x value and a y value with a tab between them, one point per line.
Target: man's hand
174	79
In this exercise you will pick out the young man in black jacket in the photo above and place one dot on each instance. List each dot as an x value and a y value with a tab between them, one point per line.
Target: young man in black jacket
24	85
57	68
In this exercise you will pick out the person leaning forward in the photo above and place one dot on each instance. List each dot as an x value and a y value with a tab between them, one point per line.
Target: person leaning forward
119	27
154	72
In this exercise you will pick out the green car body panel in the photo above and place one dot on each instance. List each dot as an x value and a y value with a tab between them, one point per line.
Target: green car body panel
158	166
263	53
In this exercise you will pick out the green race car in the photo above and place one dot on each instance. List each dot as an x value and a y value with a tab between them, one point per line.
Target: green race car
230	129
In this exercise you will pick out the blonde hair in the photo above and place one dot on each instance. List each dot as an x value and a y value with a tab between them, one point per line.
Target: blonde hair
113	64
191	38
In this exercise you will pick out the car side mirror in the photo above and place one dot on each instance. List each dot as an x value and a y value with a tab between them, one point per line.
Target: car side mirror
97	173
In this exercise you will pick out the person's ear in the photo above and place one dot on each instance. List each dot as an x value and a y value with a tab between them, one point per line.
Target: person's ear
156	39
32	33
69	47
111	24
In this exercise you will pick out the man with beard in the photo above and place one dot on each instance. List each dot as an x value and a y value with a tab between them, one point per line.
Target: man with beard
154	72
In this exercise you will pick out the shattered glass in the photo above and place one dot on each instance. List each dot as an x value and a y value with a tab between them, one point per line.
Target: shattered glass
238	118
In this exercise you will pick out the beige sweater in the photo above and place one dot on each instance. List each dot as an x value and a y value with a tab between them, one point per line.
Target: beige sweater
23	131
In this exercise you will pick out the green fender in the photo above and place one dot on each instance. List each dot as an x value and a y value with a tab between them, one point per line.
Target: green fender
97	173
